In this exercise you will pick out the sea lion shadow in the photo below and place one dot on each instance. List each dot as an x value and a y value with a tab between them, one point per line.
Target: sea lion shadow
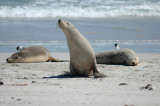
59	76
65	75
120	64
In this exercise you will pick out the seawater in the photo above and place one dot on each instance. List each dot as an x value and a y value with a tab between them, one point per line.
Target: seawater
139	46
133	24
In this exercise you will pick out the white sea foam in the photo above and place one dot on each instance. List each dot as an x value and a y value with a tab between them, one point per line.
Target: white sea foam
100	8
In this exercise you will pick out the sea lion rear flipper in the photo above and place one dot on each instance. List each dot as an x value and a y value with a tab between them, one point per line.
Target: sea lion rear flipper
63	60
52	59
97	74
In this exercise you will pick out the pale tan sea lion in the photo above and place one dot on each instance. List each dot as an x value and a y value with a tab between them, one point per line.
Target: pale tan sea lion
82	56
32	54
120	56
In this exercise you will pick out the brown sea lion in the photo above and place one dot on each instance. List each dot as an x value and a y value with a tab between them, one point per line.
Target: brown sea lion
119	56
32	54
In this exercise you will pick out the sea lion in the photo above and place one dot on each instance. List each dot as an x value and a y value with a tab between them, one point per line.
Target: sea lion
32	54
119	56
82	56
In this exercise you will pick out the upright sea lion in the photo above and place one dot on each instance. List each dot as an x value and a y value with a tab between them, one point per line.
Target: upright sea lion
32	54
119	56
82	56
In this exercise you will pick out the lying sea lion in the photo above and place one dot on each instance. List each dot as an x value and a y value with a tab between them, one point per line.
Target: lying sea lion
32	54
119	56
82	56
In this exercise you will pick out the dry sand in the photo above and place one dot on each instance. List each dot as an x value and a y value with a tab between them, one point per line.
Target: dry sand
47	84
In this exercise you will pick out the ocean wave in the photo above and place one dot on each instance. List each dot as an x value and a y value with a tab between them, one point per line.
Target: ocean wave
75	9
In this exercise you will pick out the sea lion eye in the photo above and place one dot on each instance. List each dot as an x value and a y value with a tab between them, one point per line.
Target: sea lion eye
15	57
67	23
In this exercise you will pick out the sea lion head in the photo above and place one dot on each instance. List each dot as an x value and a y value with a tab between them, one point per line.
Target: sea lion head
66	27
126	57
135	61
132	60
16	57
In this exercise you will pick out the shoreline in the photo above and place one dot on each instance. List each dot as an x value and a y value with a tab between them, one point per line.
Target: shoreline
48	83
66	56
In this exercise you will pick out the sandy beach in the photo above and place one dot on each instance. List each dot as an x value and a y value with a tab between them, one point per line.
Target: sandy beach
130	24
48	84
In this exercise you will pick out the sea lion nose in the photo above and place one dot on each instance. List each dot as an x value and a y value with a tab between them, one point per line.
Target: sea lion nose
133	63
7	59
59	20
18	48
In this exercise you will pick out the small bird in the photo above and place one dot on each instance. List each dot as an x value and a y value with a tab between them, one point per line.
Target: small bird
20	48
116	46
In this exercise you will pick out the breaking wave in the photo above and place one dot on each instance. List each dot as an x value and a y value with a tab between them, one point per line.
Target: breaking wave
78	8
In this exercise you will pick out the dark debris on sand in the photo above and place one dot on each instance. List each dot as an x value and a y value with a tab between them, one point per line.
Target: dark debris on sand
1	83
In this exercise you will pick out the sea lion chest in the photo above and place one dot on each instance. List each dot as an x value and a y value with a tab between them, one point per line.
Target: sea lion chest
81	52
